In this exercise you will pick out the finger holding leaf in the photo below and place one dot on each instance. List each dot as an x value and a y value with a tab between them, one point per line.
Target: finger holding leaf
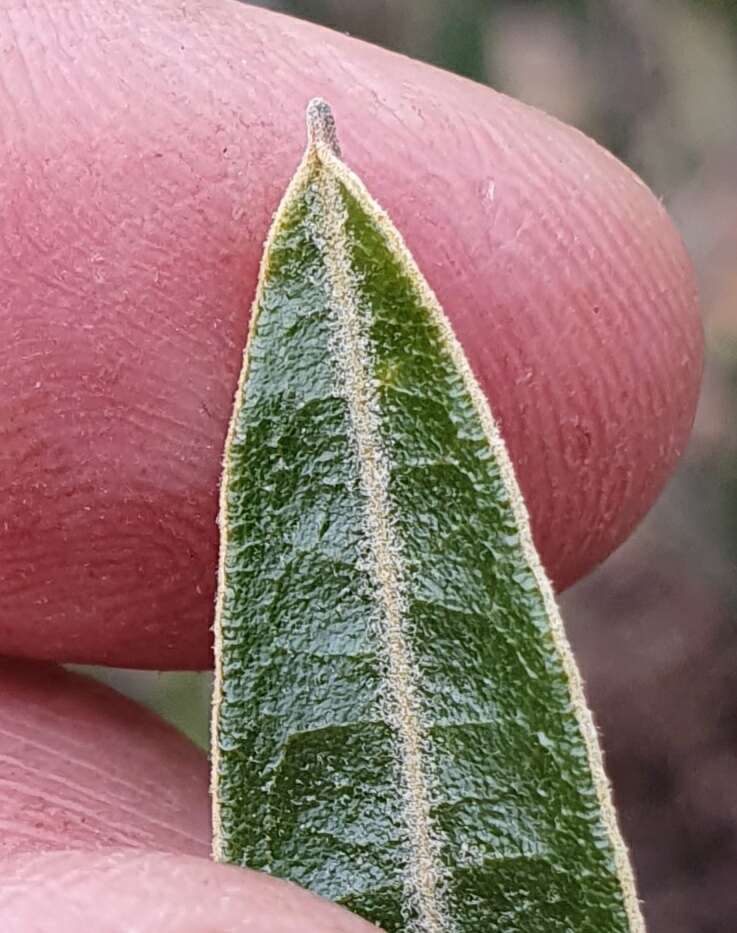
398	725
138	187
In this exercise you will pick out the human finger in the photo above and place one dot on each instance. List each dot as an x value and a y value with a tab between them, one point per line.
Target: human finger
144	148
116	891
84	767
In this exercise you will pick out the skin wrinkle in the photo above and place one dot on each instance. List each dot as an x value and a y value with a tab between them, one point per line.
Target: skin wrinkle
117	817
85	767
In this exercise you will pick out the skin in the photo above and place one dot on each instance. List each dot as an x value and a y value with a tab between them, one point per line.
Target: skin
83	765
144	148
154	892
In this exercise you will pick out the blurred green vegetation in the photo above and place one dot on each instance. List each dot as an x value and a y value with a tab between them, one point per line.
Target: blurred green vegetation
182	698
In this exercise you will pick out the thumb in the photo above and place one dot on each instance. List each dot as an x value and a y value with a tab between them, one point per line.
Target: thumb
117	891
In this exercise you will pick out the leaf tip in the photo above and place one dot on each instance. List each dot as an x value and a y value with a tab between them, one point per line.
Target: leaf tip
321	130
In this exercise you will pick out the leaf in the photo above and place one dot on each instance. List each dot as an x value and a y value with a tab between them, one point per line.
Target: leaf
398	721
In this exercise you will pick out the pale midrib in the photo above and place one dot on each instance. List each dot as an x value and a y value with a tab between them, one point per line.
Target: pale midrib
424	884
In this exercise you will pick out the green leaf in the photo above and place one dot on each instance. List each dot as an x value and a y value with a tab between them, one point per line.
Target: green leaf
398	723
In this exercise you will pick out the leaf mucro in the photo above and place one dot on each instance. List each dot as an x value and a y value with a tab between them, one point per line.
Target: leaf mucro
398	721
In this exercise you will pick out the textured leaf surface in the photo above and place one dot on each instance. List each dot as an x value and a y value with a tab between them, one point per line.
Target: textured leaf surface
398	722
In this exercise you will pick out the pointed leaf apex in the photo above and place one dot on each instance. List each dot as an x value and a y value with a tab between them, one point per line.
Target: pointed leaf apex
321	130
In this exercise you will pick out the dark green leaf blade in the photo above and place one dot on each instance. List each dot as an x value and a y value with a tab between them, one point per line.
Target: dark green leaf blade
398	721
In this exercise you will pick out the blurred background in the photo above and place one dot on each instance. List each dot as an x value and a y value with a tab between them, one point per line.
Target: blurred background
655	628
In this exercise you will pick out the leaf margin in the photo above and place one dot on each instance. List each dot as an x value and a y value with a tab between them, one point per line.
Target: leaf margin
323	152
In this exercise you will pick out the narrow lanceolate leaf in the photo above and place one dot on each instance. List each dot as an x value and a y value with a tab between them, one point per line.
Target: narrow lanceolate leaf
399	724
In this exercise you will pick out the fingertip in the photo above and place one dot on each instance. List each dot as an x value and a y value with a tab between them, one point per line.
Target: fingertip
131	261
153	892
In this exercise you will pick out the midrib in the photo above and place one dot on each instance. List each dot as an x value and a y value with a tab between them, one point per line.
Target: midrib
423	884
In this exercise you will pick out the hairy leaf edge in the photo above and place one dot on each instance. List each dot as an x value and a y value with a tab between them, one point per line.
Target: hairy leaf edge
323	147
